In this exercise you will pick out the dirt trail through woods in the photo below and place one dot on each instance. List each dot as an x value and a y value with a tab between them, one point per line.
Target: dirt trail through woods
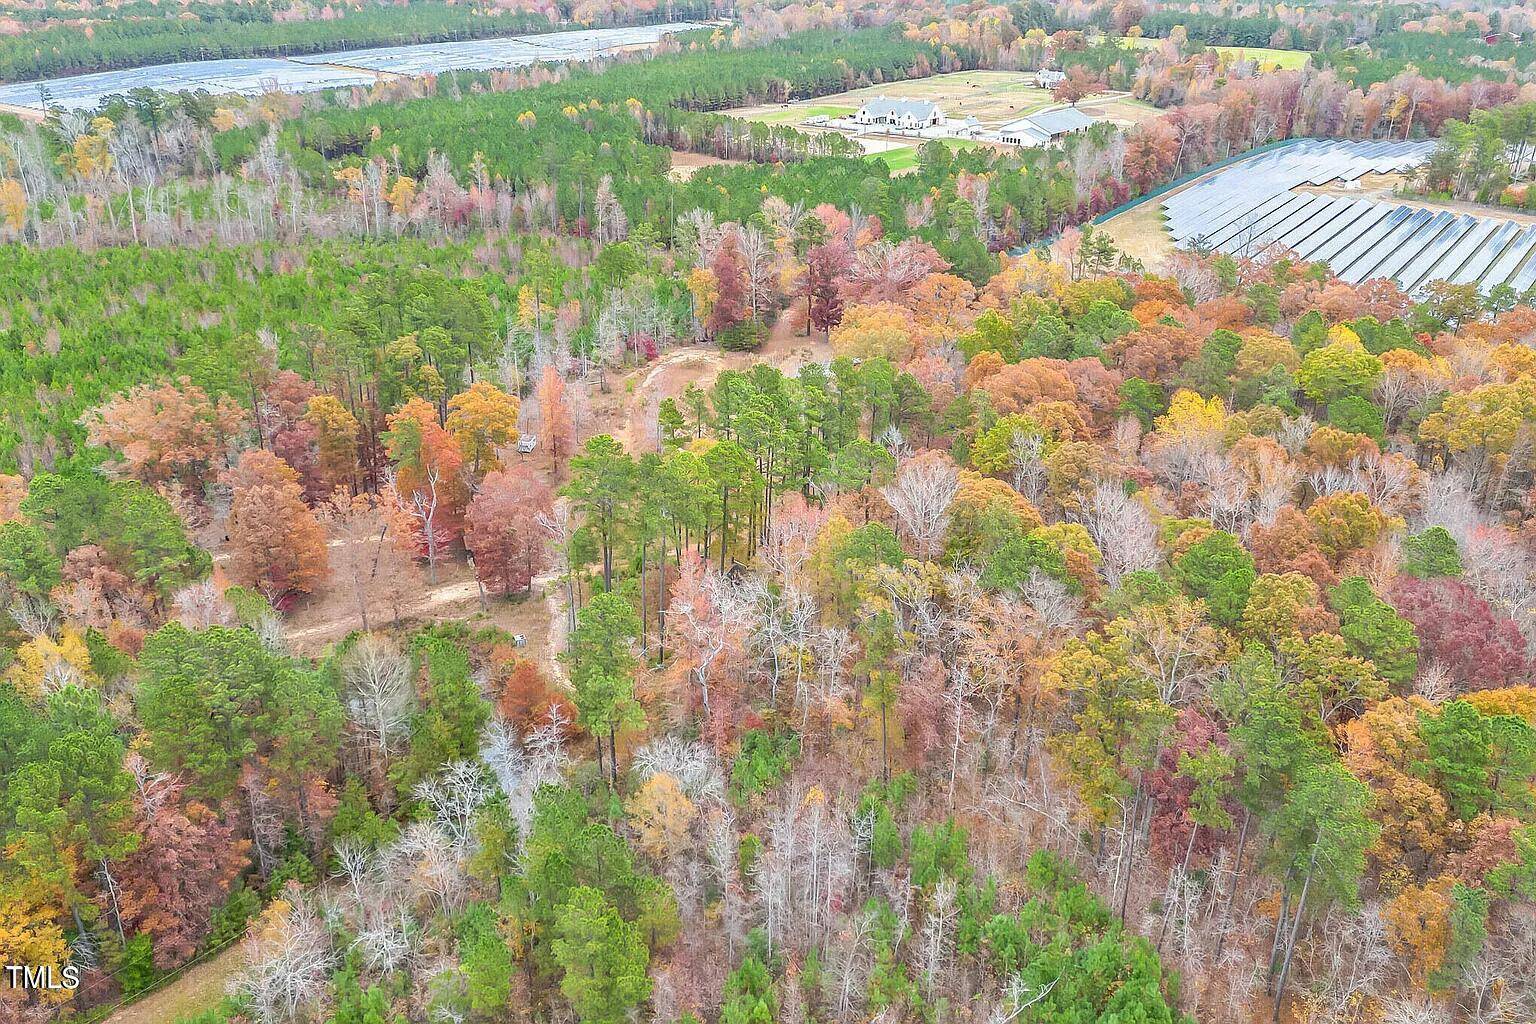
628	412
198	989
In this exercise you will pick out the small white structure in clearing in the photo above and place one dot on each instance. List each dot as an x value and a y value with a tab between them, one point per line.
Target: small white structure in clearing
1047	79
908	115
1045	128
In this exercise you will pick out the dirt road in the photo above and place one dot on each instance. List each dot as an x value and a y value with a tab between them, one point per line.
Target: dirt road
628	412
197	989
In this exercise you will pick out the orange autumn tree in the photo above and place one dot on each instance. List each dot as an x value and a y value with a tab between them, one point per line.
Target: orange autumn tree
555	413
427	480
526	697
167	432
276	544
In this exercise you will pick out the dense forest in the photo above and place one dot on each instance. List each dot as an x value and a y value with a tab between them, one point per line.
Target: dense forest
1209	584
454	568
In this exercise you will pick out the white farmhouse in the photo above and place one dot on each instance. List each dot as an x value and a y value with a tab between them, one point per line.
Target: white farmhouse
1047	79
1045	128
906	115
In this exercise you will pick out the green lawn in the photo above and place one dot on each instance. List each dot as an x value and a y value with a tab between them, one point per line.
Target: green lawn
1285	60
897	159
906	157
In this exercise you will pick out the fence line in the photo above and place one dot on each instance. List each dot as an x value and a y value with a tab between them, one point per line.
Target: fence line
1131	204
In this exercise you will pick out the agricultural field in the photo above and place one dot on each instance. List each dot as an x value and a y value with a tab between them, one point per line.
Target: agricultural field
1118	107
795	113
1267	57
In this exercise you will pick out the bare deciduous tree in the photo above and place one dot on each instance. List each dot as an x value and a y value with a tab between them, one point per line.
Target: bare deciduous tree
288	963
921	496
379	693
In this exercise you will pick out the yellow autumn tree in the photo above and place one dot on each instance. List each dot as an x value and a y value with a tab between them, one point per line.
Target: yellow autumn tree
661	815
527	306
336	431
30	934
90	155
13	204
402	195
1510	700
1487	419
1418	924
43	664
352	179
873	331
1190	415
482	419
1261	352
705	289
1514	360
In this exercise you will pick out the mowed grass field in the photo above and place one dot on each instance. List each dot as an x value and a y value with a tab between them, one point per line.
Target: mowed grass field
904	158
992	97
1266	57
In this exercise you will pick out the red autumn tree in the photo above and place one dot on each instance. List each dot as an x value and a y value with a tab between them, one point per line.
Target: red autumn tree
502	529
286	428
730	270
825	265
1170	791
185	863
276	544
1481	649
